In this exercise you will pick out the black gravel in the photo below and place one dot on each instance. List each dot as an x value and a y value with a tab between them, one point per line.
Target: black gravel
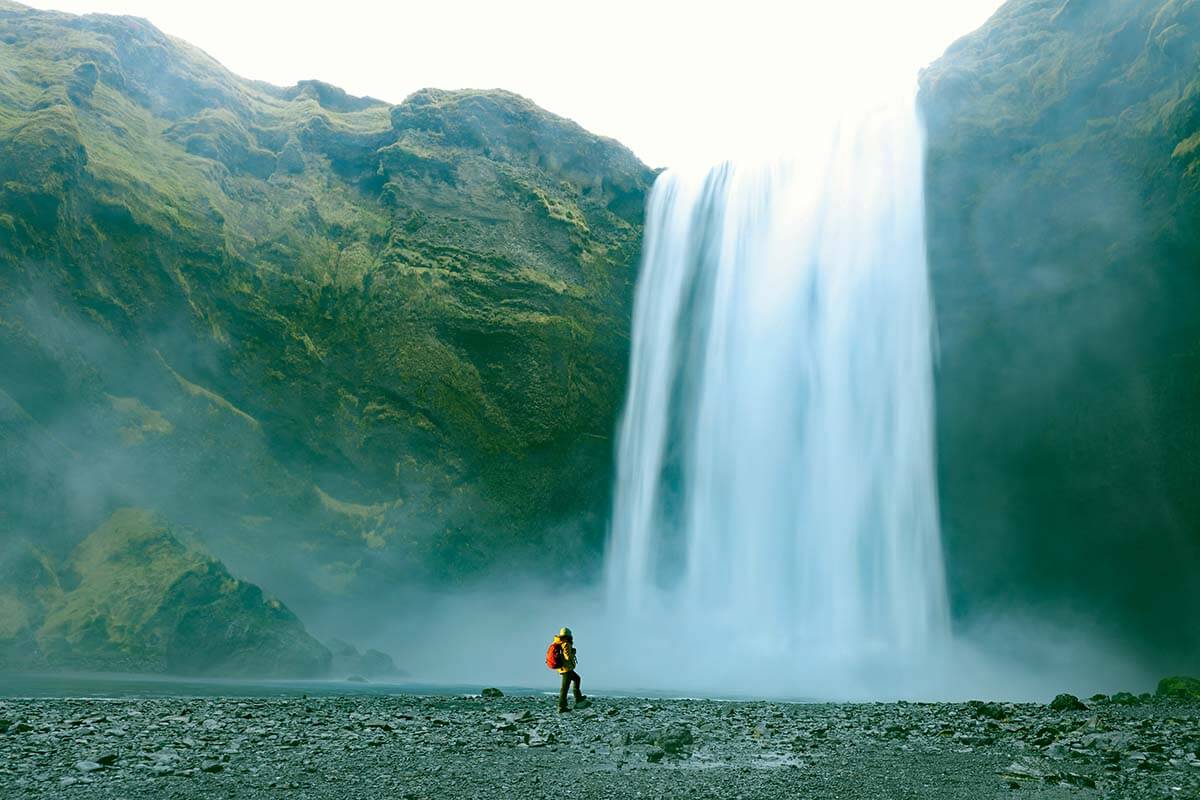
408	747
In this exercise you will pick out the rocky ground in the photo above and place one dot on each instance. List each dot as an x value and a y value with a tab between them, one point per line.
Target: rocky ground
519	747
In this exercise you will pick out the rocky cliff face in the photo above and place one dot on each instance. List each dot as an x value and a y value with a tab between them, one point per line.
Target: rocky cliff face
134	597
1063	176
348	343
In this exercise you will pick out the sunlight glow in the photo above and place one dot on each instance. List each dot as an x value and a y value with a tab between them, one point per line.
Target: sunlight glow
676	81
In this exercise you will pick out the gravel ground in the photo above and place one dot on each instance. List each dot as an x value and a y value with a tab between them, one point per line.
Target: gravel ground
408	747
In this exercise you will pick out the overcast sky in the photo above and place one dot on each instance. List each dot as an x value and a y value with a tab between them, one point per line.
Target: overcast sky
676	81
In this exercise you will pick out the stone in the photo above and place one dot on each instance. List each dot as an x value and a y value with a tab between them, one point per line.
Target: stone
1022	772
1180	686
675	739
1072	779
988	710
107	760
491	693
656	755
1067	702
211	766
1124	699
377	724
87	766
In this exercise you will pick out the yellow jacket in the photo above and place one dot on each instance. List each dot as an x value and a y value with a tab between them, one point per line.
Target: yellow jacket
568	654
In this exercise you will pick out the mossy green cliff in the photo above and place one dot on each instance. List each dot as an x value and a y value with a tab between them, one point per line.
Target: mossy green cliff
350	344
354	345
1063	186
134	597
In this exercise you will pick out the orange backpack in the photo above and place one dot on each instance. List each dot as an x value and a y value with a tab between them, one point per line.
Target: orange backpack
554	656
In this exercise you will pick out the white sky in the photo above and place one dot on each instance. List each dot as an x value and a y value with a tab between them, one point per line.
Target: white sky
675	81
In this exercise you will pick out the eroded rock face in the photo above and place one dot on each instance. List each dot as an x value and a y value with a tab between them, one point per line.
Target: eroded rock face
349	344
133	596
1062	196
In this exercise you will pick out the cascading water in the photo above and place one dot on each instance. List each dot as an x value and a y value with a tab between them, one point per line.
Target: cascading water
775	493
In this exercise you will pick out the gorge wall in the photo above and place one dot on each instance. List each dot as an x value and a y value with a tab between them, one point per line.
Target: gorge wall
347	344
1062	188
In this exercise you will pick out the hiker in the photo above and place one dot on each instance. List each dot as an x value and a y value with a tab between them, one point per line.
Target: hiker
561	656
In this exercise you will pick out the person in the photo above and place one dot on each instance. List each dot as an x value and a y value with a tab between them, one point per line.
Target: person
567	661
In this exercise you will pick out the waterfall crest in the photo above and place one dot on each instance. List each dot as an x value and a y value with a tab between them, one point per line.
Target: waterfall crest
776	488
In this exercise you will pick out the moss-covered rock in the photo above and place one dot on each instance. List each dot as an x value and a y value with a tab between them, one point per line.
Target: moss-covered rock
1063	190
347	343
133	596
141	598
1180	686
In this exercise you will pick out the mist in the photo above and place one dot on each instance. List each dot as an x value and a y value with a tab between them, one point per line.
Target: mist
495	634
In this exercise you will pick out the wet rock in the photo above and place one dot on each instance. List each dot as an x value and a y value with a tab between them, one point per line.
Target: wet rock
1124	699
1067	702
106	760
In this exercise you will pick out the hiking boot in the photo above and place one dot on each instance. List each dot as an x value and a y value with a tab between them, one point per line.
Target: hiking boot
564	710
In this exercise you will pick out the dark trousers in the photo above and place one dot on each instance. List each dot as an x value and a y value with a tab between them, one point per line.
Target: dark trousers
569	677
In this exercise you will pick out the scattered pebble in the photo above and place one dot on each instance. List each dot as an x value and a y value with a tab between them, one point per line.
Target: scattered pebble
1124	746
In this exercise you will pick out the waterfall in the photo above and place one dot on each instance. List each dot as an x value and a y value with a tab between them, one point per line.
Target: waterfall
775	488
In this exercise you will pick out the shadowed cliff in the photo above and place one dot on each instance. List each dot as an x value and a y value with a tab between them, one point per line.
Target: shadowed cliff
1062	180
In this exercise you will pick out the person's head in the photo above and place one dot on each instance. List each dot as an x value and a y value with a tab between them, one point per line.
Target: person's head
565	634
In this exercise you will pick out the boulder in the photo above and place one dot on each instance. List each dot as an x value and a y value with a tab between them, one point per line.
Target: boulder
1067	702
675	739
1179	686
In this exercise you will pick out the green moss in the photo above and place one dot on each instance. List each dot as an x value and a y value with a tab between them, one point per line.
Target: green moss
1179	687
142	599
428	302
